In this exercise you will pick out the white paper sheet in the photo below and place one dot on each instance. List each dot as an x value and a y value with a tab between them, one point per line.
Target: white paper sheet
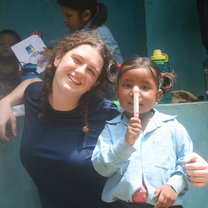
27	51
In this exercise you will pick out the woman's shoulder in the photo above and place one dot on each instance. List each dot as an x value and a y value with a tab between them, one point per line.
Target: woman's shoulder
33	89
104	107
34	85
99	103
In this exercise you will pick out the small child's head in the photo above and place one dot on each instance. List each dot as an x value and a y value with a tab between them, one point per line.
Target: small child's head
144	73
78	13
8	38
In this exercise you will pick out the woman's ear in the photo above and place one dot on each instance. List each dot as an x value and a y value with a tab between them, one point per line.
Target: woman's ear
57	60
86	15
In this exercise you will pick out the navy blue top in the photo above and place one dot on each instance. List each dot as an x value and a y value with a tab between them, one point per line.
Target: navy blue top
57	154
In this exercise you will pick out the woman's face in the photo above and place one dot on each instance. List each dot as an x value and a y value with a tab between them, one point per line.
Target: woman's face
72	19
78	70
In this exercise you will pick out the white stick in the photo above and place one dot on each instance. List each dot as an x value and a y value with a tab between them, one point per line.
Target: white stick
136	101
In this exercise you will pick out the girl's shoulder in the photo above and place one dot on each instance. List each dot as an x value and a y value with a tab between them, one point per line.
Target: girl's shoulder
104	31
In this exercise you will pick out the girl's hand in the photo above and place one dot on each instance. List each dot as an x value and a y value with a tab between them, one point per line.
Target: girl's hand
134	130
165	195
37	32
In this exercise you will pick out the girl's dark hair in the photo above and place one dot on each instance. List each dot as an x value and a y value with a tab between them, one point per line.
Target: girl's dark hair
68	43
11	32
165	81
98	10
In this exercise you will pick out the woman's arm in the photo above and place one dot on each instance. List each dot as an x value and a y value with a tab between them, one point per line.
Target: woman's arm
197	169
6	103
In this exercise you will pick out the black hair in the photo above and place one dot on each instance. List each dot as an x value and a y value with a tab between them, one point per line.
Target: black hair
98	10
165	81
11	32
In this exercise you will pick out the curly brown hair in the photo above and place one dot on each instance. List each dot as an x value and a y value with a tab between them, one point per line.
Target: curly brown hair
66	44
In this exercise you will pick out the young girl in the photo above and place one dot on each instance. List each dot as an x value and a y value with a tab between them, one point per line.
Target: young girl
9	65
88	15
142	156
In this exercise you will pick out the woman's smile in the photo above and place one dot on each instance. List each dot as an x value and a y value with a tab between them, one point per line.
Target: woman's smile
73	80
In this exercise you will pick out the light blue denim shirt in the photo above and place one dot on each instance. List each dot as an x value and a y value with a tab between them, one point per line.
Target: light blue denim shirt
106	36
156	156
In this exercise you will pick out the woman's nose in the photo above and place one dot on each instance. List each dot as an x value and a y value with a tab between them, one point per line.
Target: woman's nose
81	69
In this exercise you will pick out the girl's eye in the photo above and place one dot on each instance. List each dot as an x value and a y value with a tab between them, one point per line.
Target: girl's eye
127	85
11	44
144	88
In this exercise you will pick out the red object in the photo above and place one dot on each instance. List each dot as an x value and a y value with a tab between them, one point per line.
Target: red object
118	67
161	75
140	195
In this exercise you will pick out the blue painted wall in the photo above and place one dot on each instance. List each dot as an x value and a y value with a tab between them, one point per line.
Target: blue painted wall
139	26
173	26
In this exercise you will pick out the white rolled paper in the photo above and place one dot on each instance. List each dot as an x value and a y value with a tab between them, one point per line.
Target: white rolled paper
136	101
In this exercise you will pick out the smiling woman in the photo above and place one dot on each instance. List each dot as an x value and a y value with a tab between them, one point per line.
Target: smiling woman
63	118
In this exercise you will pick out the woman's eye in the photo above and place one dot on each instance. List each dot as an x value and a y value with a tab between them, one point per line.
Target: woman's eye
91	71
76	61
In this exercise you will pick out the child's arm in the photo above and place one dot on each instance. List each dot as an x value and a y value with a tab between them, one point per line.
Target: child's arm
178	182
111	153
6	113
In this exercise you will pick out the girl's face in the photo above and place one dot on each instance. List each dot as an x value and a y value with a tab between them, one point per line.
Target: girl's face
72	19
6	41
78	70
149	94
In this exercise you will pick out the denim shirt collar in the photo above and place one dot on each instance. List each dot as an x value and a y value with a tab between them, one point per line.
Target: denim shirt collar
156	121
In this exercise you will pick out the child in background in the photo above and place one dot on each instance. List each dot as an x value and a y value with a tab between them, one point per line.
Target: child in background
9	65
91	15
143	156
87	15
